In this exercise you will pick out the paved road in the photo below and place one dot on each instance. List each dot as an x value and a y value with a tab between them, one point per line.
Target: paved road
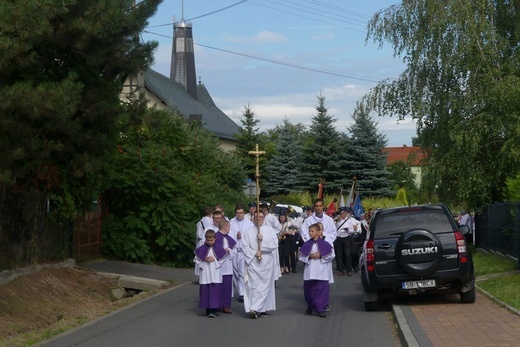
172	318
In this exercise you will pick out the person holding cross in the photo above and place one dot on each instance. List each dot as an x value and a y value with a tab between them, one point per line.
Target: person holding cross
261	267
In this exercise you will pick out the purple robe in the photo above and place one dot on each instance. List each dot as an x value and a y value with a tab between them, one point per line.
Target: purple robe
209	294
324	247
316	292
226	293
202	252
220	240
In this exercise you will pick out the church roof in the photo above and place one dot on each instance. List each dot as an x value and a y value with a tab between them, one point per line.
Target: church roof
174	95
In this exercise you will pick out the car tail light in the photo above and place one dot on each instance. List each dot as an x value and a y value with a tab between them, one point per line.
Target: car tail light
461	247
369	255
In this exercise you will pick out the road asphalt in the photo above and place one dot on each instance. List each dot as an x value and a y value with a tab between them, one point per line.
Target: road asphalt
435	320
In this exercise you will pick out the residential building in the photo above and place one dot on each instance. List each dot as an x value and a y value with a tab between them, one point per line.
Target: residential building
181	93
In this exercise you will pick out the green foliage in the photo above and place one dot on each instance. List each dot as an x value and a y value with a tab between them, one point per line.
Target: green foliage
513	188
323	156
166	171
461	86
504	288
365	157
60	73
247	138
489	263
401	198
285	166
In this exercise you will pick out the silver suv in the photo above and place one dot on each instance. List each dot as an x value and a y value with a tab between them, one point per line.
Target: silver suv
416	249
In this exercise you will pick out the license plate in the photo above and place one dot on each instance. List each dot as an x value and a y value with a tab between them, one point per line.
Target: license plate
418	284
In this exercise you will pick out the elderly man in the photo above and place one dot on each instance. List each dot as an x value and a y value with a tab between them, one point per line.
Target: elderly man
260	248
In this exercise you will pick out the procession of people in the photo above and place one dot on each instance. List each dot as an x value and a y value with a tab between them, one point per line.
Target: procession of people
242	258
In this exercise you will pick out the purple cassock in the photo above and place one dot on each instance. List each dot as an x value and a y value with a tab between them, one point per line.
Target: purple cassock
226	294
316	291
210	285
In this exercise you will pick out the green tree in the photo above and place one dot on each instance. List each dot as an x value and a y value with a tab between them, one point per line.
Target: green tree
366	158
61	69
285	165
165	172
461	84
247	138
513	188
323	155
403	177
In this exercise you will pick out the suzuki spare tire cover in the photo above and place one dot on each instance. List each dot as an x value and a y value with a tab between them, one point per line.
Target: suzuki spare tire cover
419	252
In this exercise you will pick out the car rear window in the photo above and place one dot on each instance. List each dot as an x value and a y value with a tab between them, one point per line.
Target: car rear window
394	223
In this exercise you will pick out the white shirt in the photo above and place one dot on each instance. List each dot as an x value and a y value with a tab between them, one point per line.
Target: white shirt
329	228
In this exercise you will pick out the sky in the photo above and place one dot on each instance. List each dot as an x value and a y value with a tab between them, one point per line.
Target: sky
277	56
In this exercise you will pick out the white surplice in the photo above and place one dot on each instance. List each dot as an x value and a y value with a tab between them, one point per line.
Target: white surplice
260	275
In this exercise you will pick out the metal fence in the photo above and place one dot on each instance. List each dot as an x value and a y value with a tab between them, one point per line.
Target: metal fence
28	236
497	228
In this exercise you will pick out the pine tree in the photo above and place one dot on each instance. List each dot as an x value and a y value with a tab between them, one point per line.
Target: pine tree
323	153
60	77
366	158
247	139
285	165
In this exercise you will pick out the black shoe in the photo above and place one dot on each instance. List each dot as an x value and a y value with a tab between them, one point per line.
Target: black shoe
308	312
263	314
327	308
253	315
241	298
322	314
294	271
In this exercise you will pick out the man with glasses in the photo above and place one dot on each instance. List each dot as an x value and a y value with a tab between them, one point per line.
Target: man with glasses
260	248
239	224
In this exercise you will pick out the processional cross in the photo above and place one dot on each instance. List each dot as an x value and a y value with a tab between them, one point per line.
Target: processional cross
257	153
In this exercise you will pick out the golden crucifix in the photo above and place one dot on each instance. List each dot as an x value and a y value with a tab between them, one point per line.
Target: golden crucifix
257	154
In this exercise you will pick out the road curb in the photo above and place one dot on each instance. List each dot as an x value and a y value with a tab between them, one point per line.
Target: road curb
403	328
134	282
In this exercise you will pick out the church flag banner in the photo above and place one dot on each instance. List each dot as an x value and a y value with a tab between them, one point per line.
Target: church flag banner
320	190
358	208
341	199
350	199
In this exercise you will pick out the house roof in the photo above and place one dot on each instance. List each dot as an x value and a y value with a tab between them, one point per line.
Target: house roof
174	95
411	154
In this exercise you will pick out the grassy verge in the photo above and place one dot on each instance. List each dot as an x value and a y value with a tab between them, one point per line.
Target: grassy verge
505	288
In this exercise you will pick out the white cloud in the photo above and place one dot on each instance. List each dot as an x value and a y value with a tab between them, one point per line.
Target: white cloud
263	36
269	37
323	36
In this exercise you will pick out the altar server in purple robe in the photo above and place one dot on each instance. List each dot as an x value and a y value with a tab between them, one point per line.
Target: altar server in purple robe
228	243
208	260
316	255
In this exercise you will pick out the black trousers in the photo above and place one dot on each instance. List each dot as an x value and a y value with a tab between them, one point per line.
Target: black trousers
287	258
343	250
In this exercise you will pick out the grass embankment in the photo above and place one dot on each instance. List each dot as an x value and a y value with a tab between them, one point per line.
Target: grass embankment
504	288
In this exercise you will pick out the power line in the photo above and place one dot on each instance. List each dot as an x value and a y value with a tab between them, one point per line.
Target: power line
318	12
306	17
328	72
216	11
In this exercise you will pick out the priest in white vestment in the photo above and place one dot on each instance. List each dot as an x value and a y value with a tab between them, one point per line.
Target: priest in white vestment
260	275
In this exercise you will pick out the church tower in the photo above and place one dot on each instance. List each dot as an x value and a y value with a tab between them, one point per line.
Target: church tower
183	58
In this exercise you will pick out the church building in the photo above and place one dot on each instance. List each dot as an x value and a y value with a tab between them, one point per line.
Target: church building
181	93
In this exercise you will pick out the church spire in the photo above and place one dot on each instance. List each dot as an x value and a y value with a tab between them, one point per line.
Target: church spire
183	57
